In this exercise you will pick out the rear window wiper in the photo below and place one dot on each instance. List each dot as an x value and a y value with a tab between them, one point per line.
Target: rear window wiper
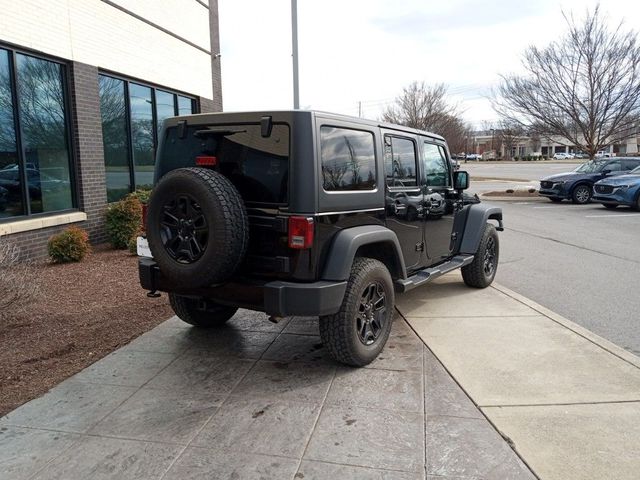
218	131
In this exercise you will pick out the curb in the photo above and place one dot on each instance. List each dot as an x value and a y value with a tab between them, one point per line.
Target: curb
486	198
610	347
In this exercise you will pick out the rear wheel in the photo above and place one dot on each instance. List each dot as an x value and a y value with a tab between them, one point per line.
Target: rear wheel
358	332
200	312
581	194
481	272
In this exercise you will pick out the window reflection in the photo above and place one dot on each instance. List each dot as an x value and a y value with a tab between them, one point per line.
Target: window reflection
44	135
10	188
185	106
348	159
141	107
114	134
165	107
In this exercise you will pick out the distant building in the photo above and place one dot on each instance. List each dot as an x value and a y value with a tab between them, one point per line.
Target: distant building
492	144
84	88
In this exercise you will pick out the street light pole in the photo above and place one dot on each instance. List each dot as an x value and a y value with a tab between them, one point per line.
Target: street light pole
294	44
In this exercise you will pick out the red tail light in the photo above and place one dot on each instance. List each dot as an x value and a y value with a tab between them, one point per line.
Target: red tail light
300	232
206	161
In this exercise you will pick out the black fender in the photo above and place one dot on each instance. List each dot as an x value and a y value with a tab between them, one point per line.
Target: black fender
478	215
347	242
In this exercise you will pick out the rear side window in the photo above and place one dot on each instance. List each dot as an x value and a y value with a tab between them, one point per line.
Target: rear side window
348	159
257	166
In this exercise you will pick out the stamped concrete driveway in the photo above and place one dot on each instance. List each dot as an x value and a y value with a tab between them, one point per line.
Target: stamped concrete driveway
255	400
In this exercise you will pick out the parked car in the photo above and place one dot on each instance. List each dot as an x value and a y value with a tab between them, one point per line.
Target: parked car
37	181
578	184
474	156
301	213
563	156
619	190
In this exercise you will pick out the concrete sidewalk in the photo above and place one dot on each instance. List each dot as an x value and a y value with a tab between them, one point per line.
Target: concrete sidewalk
262	401
567	400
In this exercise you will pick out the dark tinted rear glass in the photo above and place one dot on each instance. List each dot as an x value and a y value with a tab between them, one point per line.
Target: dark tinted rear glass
257	166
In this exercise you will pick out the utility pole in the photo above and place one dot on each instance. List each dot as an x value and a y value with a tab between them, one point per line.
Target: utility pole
294	44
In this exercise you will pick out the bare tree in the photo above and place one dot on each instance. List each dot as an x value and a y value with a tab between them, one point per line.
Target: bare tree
584	88
507	134
425	107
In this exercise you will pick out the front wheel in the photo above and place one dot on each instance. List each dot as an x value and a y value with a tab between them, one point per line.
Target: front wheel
481	272
358	332
581	194
200	312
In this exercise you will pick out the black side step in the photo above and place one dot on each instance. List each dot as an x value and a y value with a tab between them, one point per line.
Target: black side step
431	273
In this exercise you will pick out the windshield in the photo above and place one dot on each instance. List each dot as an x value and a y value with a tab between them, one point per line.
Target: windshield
590	167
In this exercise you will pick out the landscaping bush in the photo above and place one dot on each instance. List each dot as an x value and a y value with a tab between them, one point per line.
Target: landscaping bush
18	282
123	221
71	245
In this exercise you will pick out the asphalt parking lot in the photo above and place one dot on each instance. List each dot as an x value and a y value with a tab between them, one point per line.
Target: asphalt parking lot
580	261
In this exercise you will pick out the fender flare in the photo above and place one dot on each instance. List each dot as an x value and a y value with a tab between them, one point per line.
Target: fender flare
477	217
346	243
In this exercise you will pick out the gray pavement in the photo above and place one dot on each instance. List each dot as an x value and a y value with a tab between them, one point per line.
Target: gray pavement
255	400
473	384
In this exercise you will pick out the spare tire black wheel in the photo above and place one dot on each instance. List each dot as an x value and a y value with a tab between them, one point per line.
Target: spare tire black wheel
197	227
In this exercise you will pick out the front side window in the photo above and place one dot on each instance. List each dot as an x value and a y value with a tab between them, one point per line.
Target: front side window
400	162
132	118
436	170
348	159
35	176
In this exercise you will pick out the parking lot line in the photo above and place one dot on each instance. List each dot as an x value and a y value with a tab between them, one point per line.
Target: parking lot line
613	215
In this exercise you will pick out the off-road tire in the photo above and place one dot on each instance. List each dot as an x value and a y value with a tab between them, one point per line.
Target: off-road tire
200	312
476	274
339	332
218	221
581	194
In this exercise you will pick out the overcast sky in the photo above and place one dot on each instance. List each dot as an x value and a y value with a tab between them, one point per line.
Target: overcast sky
366	51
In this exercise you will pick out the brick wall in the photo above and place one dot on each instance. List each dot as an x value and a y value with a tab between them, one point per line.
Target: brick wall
88	148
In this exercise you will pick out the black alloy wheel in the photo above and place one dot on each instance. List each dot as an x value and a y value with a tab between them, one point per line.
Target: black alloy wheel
371	313
490	257
184	229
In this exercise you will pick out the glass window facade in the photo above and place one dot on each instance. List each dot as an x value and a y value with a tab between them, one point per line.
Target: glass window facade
132	116
35	160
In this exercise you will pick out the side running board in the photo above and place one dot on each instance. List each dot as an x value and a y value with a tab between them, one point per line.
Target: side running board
431	273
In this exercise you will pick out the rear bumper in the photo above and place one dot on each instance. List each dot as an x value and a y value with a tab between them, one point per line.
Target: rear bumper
277	298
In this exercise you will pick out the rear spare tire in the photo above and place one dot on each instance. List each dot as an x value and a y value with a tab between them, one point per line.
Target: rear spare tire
197	227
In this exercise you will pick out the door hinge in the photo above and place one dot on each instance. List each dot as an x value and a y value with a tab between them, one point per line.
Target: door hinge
420	247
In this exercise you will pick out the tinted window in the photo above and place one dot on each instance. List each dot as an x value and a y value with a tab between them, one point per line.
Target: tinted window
10	188
400	162
629	164
348	159
435	172
185	106
114	135
142	134
613	166
257	166
44	133
165	107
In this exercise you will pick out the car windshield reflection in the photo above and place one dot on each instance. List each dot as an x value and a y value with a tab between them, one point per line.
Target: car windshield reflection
590	167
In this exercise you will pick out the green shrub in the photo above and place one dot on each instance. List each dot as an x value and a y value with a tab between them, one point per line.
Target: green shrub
71	245
124	220
142	194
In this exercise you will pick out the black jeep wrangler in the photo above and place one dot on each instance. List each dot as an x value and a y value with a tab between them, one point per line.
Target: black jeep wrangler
309	213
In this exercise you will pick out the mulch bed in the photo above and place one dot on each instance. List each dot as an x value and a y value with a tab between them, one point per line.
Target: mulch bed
83	312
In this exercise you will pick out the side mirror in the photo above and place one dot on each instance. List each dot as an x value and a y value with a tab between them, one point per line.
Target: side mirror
460	180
